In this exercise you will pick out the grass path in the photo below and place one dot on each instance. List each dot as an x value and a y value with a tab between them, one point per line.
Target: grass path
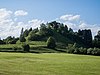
48	64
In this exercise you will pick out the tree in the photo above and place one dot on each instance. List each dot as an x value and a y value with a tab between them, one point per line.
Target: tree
43	27
25	33
26	47
34	37
70	30
22	32
55	25
85	36
10	40
30	29
2	42
22	38
51	43
96	41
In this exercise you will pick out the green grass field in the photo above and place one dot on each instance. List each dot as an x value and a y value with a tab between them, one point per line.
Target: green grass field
48	64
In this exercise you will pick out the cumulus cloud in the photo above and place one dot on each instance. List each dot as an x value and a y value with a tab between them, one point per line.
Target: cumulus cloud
5	21
11	26
20	13
94	27
70	17
4	13
74	22
35	23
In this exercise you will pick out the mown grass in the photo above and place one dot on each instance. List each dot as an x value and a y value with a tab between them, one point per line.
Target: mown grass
48	64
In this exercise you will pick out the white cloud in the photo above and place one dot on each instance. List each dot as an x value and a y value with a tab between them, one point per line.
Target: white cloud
5	21
74	22
35	23
70	17
4	13
11	26
14	29
20	13
94	27
5	16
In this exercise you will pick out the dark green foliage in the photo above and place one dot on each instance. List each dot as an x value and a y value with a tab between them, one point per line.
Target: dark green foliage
45	31
26	32
54	25
96	41
71	48
22	31
34	31
26	47
77	42
34	37
30	29
13	41
96	51
70	30
93	51
2	42
22	39
10	40
89	51
43	26
82	50
51	43
85	36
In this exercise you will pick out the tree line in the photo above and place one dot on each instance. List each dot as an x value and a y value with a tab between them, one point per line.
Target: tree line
48	31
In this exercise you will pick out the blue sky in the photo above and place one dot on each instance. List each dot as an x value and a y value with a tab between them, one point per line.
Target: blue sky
87	11
51	9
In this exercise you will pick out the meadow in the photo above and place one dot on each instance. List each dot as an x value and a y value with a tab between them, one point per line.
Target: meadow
48	64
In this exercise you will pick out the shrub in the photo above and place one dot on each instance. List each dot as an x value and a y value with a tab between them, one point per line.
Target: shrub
89	51
26	47
70	49
76	51
51	43
95	51
84	51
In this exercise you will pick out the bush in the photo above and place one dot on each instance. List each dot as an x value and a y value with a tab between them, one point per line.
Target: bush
51	43
26	47
70	48
95	51
76	51
89	51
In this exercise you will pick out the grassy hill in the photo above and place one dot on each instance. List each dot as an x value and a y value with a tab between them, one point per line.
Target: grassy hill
48	64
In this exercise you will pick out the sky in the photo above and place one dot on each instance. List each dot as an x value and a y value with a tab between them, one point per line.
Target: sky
77	14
